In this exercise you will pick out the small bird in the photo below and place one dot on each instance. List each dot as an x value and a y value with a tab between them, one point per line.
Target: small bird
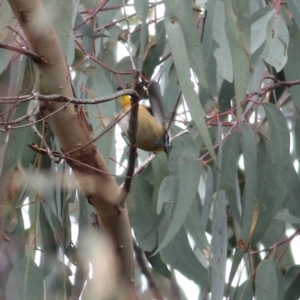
152	134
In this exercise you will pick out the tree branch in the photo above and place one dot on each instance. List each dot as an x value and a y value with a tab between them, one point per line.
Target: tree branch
61	98
54	78
141	261
132	130
37	59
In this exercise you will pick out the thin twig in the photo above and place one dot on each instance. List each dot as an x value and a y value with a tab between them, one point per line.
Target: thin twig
18	33
272	248
37	59
92	15
61	98
132	131
151	283
31	120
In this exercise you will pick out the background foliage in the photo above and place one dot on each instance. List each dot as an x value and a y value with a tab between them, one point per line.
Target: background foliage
221	208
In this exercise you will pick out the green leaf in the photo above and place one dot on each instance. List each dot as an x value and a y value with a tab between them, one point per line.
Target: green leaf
297	132
260	20
266	281
171	92
281	286
219	246
158	265
61	16
142	221
168	192
238	255
286	217
156	50
234	200
194	226
292	201
196	230
180	256
180	15
273	165
292	71
291	280
84	28
105	18
244	291
209	45
222	54
230	156
142	7
187	185
48	241
236	32
25	281
5	57
6	18
159	167
277	38
250	162
250	166
16	246
209	185
124	65
82	268
22	136
294	8
292	292
181	61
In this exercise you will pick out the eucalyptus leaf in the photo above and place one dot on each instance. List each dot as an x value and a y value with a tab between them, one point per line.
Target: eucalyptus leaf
219	246
230	156
187	187
142	222
181	61
49	242
179	255
291	71
277	38
239	48
294	7
273	165
222	54
266	281
25	281
250	165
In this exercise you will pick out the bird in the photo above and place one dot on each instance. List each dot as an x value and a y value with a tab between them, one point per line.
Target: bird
152	135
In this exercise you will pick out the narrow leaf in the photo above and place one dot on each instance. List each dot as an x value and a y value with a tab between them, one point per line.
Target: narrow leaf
142	218
250	165
209	185
292	70
273	165
219	247
222	54
181	61
266	281
277	38
180	256
294	8
231	152
49	242
239	51
187	186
